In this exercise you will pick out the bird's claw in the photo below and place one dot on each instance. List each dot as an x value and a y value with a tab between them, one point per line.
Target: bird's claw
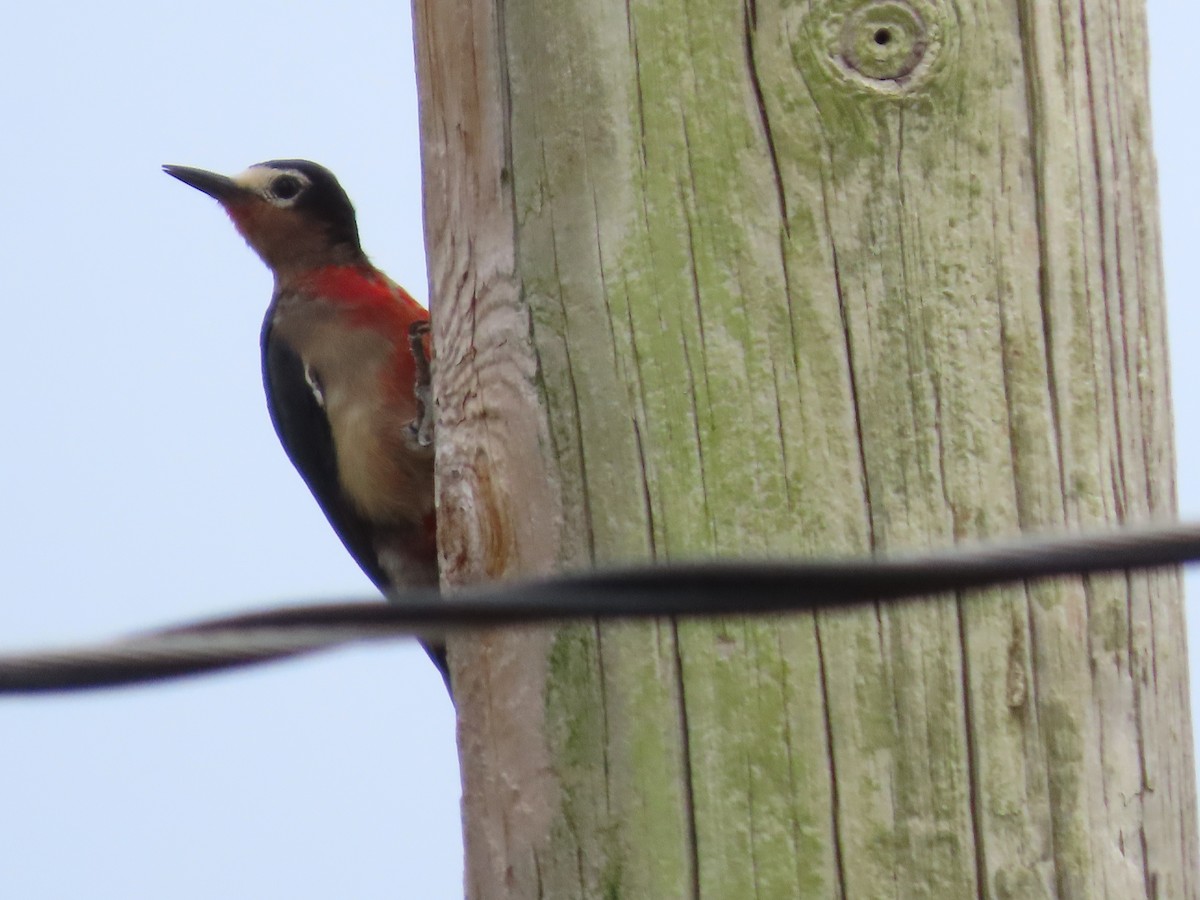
422	424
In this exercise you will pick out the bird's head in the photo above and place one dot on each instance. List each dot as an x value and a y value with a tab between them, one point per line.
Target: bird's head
291	211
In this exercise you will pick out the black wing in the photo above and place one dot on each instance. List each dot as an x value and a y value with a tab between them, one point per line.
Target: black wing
304	431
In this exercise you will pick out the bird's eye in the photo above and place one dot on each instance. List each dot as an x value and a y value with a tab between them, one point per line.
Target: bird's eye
285	187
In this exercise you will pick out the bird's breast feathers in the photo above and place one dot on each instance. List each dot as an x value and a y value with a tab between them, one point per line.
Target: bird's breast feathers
362	377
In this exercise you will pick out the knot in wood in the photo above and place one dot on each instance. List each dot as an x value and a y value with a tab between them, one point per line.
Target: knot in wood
884	40
886	46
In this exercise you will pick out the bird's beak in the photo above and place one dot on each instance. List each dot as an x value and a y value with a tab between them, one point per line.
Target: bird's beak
219	187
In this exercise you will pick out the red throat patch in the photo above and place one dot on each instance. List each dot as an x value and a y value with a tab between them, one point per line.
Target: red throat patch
367	295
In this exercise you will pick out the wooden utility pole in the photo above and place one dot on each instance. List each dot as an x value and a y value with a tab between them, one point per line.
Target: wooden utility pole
750	278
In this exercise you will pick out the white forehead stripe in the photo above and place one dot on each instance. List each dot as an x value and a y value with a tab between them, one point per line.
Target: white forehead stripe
256	178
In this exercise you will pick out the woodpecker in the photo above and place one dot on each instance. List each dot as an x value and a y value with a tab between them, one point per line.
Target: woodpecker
345	367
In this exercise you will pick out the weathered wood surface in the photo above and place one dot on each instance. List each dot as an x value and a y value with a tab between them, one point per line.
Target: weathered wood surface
717	278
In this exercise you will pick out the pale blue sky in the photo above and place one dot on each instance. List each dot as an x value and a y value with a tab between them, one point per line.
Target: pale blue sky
142	483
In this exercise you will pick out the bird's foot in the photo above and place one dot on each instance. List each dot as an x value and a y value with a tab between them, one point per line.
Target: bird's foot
422	424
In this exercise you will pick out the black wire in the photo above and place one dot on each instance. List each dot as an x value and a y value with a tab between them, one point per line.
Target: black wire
687	589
